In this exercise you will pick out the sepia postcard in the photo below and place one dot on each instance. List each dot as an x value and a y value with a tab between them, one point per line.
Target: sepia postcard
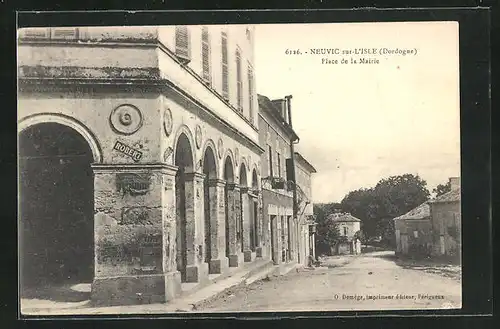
239	168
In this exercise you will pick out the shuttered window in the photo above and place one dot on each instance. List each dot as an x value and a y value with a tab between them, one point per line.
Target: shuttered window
64	33
250	93
182	43
270	152
278	164
239	82
54	33
225	72
205	55
34	33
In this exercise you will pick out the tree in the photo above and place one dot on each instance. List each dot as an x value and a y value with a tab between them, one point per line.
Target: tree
442	189
390	198
327	232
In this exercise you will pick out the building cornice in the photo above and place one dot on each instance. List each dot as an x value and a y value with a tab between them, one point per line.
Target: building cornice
152	81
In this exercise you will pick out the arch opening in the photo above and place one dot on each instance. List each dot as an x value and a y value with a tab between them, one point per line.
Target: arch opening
210	171
185	163
243	208
254	225
229	178
56	196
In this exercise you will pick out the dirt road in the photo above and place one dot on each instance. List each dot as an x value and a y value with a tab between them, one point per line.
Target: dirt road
371	281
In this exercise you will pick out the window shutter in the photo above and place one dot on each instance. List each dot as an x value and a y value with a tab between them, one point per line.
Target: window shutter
250	92
205	55
225	72
64	33
239	82
182	43
34	33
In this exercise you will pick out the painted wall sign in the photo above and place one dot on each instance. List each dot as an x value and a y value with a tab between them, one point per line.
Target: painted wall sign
136	155
220	148
126	119
167	122
133	184
198	136
134	215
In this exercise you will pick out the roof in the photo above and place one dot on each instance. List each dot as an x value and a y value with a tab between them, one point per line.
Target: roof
304	162
452	196
268	106
421	212
343	217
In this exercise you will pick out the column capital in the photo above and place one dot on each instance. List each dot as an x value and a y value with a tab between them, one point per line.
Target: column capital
244	189
213	182
133	167
194	176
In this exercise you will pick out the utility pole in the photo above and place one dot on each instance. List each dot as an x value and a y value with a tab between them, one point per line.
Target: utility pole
294	180
292	156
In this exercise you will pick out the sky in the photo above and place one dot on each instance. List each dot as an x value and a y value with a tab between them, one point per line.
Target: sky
359	123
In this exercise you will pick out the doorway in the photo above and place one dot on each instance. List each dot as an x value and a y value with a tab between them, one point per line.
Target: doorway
56	206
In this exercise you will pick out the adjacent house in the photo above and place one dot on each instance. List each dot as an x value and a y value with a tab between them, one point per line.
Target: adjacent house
447	222
306	223
413	232
276	136
348	226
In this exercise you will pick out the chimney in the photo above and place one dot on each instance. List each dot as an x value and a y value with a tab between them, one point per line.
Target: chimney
281	107
455	183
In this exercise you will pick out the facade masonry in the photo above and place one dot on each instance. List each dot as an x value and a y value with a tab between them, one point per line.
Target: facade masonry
144	160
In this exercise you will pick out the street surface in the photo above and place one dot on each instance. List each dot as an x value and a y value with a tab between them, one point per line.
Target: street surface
372	281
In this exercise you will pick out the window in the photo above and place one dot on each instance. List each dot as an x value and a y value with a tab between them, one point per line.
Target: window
239	82
205	55
279	163
270	150
182	44
250	92
345	230
225	78
415	234
249	34
64	33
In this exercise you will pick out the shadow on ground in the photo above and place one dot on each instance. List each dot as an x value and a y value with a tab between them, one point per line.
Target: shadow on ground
443	267
66	293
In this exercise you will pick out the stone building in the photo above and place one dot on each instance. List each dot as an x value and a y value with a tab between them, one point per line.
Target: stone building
446	217
413	232
139	157
306	228
276	136
348	226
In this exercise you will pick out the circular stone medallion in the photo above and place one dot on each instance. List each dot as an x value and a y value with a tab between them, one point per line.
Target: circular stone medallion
198	136
167	121
126	119
220	148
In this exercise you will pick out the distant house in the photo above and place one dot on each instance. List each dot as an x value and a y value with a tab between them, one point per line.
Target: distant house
348	226
413	232
446	222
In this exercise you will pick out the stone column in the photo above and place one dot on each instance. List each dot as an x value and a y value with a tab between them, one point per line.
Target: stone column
233	201
259	252
219	263
196	268
134	227
248	255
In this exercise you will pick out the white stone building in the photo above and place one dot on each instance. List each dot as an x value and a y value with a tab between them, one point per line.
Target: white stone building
139	148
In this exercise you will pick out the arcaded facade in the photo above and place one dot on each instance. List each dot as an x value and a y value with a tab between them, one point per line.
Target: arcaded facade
139	157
